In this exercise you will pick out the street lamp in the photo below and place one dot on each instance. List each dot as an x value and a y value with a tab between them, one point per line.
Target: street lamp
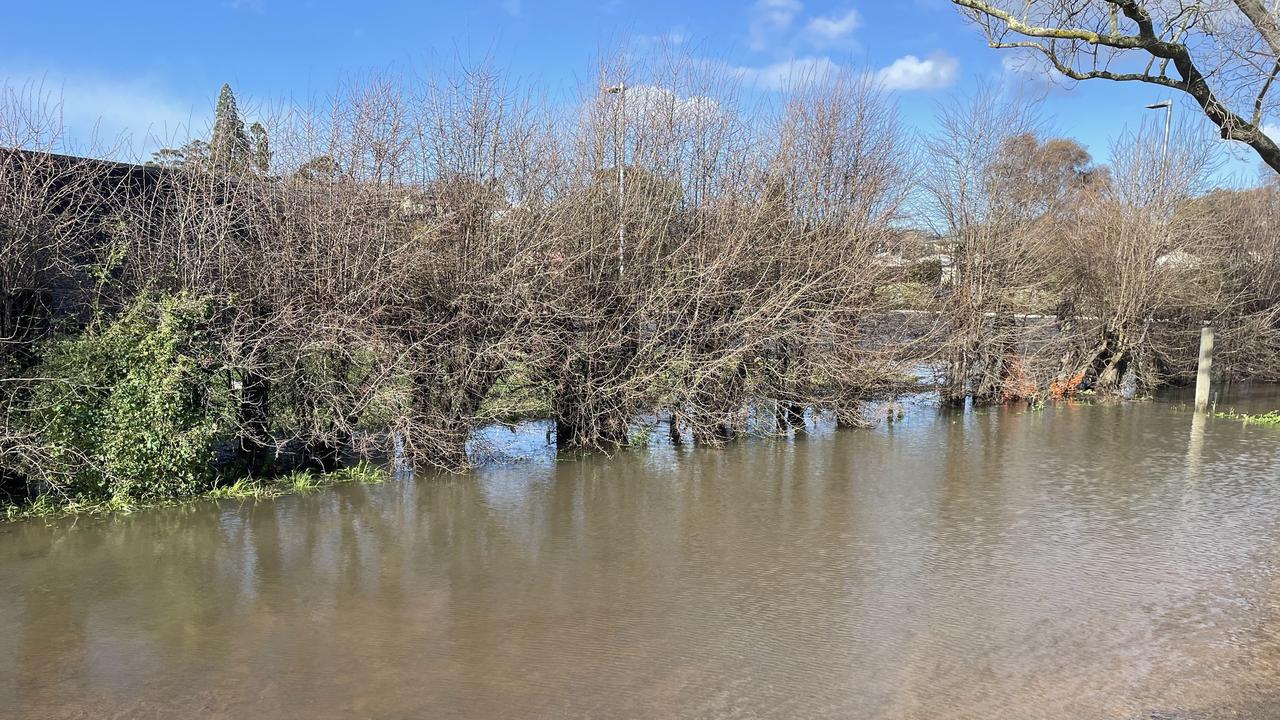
1205	364
1167	105
621	91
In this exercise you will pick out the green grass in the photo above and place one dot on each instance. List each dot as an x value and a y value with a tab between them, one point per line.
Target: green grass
517	396
1272	418
50	505
907	295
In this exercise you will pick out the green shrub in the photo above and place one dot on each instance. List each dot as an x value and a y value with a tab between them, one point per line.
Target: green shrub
927	271
517	395
130	410
909	295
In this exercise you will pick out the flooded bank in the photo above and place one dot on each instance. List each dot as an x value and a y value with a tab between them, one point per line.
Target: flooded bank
1077	562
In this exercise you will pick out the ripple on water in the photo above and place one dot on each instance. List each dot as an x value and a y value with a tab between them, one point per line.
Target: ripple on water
1081	562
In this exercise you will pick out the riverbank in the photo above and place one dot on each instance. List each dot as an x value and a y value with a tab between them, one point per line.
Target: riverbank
154	313
532	439
521	437
247	488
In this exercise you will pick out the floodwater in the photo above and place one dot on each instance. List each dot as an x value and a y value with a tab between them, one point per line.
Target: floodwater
1074	563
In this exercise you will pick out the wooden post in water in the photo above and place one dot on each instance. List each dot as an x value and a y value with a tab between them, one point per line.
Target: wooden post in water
1206	364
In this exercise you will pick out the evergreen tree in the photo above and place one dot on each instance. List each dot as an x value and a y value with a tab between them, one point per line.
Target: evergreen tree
261	147
229	149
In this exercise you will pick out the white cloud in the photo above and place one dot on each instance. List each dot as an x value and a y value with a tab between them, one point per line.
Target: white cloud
787	73
769	20
1028	66
130	116
653	102
677	35
831	30
700	108
911	73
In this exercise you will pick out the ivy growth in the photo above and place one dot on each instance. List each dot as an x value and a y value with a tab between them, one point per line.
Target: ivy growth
131	409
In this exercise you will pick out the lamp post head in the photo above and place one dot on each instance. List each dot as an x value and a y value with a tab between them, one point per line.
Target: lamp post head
1159	105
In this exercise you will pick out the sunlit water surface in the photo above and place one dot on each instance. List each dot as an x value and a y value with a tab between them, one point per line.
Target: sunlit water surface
1079	562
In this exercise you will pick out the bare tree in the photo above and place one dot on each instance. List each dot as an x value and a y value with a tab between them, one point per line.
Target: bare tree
994	205
55	252
1222	53
1246	261
1137	273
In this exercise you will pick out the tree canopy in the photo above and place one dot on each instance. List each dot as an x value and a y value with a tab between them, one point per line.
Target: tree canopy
1221	53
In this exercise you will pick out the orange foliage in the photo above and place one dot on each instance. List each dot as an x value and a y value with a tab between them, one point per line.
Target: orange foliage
1018	385
1066	388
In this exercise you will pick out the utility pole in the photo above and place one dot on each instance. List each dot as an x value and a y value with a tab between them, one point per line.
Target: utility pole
620	136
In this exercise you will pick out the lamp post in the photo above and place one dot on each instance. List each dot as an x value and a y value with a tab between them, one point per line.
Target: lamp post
1204	366
1167	105
620	134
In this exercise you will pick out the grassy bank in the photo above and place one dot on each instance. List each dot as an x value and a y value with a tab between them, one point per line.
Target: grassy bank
247	488
1271	418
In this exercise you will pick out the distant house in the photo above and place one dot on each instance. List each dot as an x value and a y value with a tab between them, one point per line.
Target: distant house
944	251
891	260
1178	259
943	245
907	243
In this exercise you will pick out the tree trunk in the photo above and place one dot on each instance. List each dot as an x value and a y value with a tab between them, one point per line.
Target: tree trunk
254	419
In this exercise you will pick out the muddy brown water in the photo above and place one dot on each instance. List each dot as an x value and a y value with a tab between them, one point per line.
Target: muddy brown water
1080	562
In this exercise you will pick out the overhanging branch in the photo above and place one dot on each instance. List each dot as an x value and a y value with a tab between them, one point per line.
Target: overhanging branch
1192	80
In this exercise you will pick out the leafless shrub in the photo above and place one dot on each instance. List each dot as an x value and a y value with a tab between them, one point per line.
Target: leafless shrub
999	197
1137	273
421	257
55	218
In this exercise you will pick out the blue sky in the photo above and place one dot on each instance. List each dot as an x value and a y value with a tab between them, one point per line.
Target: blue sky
144	70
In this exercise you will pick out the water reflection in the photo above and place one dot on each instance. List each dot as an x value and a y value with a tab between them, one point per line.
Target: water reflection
1195	445
1077	562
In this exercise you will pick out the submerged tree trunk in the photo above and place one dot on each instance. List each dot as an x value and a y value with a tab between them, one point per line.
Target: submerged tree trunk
673	431
956	389
253	414
587	414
